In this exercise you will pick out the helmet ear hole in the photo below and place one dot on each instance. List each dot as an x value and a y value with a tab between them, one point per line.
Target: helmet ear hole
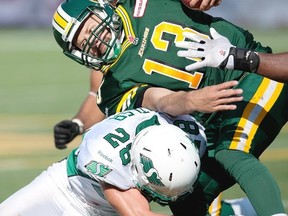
136	170
183	145
170	176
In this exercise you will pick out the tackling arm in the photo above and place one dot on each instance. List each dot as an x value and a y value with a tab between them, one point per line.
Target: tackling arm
89	112
208	99
65	131
127	203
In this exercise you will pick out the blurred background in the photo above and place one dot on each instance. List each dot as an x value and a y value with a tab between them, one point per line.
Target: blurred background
252	13
39	86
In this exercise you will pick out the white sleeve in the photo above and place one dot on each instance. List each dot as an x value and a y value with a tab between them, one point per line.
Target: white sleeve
191	126
104	153
102	161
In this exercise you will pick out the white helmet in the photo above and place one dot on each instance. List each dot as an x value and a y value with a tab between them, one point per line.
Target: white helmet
165	163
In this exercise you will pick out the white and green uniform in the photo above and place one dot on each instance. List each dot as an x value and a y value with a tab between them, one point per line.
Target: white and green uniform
71	187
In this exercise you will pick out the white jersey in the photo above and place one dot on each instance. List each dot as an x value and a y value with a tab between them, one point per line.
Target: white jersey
71	187
104	153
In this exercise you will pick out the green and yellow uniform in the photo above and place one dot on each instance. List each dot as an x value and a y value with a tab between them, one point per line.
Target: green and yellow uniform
149	58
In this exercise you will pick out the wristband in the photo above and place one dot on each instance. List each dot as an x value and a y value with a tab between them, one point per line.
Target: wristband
244	59
93	94
80	124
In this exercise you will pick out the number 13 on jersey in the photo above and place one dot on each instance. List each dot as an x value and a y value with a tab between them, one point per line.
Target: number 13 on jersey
159	43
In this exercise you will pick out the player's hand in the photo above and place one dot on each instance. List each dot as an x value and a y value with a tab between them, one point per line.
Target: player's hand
216	97
203	5
213	52
64	132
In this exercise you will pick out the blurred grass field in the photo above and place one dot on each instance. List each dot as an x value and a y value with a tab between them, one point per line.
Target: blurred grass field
39	87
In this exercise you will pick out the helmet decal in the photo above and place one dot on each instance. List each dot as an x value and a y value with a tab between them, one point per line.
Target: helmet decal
60	20
63	23
164	162
150	172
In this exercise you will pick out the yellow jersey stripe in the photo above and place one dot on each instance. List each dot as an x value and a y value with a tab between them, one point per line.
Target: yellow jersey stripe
254	113
128	31
126	21
215	207
125	100
127	97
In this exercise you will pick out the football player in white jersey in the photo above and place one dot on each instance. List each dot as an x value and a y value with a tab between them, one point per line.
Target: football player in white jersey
123	163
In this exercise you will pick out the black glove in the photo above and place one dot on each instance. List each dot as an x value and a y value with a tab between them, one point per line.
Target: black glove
65	131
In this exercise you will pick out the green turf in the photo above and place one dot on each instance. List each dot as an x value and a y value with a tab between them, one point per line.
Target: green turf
36	78
39	86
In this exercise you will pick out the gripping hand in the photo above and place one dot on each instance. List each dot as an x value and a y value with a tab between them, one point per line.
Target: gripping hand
65	131
216	52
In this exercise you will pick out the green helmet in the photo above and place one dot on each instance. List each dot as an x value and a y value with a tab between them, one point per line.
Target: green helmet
67	19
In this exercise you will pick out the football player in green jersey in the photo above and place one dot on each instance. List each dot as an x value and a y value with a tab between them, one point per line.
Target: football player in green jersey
139	60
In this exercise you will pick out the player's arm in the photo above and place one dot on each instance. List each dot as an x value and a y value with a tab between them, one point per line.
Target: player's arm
89	113
127	202
274	66
208	99
219	52
201	4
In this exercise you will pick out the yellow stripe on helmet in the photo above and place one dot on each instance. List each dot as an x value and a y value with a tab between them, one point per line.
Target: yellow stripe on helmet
60	21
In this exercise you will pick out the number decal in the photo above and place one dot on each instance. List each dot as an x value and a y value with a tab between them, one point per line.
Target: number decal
123	115
159	43
125	154
193	80
170	28
191	128
116	140
165	27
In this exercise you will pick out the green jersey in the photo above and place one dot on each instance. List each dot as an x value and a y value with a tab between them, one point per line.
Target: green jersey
149	55
149	58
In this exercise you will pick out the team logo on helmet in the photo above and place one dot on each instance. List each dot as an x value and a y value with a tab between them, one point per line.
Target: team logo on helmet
151	173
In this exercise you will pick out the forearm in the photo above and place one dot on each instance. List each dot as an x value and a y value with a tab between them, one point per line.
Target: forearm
89	112
208	99
274	66
128	202
176	103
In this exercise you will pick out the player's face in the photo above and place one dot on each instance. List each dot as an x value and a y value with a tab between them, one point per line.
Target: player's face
93	40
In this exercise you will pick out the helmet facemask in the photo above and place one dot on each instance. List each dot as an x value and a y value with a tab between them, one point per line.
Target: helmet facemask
111	23
108	20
